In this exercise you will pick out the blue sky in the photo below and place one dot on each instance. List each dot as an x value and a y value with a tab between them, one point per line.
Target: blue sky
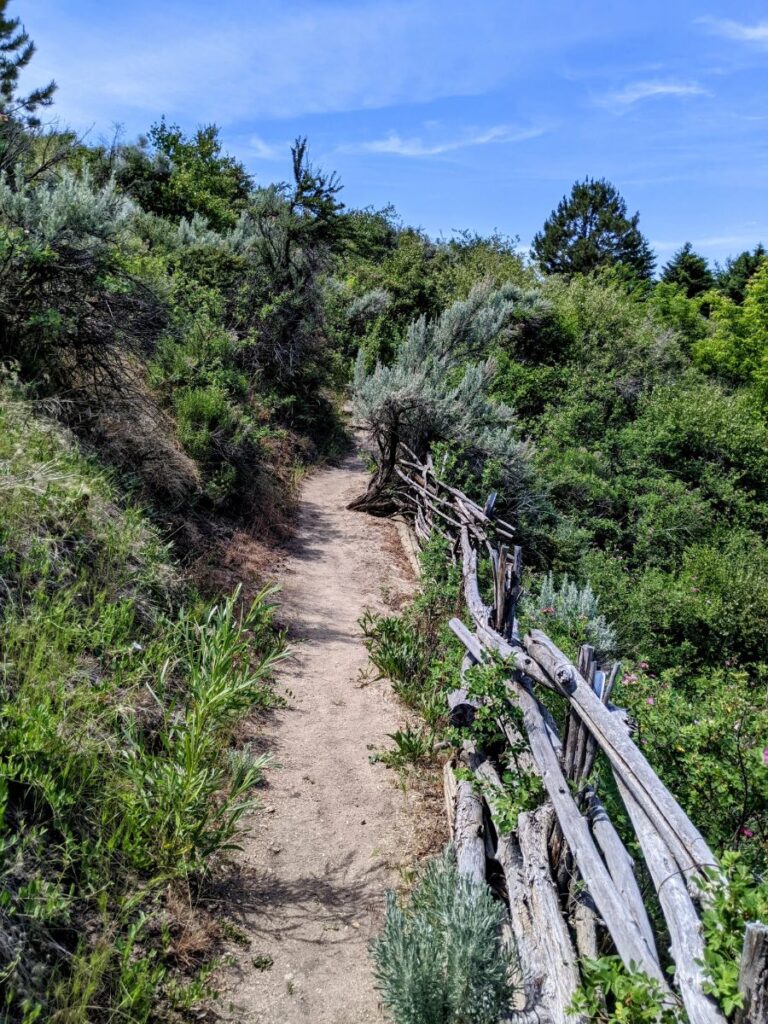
475	115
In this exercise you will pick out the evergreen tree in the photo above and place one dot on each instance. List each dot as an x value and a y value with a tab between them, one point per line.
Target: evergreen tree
733	278
590	229
690	271
18	114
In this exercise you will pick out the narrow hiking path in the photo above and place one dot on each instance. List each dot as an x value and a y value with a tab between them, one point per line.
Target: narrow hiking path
335	829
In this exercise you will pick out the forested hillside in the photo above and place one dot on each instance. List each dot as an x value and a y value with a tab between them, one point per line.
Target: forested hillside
176	343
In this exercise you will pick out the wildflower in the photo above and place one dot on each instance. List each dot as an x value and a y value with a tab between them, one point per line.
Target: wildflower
642	664
650	700
765	755
744	831
630	677
549	610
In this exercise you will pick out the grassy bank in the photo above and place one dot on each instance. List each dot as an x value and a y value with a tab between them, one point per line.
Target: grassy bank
121	786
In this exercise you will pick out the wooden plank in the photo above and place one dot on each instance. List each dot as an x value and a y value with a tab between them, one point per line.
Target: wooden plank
620	866
684	840
627	937
686	940
538	915
753	977
465	814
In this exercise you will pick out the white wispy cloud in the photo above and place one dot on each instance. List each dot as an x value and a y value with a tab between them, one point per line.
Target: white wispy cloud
261	150
269	59
733	242
272	59
738	30
636	92
415	146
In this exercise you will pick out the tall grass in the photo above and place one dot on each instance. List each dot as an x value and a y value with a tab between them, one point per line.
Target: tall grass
120	786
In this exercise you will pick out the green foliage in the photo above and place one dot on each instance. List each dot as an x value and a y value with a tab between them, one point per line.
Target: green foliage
732	279
675	310
611	993
590	229
176	176
523	791
733	900
439	958
737	348
119	693
67	305
705	734
222	313
18	114
569	613
416	651
411	747
688	271
436	391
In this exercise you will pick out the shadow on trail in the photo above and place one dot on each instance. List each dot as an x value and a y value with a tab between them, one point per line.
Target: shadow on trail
275	908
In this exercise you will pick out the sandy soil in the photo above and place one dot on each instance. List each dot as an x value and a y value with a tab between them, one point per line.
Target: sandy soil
335	828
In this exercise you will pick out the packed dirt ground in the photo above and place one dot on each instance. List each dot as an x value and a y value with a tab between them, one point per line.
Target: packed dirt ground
335	831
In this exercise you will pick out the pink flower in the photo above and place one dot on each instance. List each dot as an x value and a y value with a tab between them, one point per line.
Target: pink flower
744	831
765	755
642	664
548	611
650	700
629	678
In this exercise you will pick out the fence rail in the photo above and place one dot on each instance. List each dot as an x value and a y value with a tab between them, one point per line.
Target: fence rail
569	882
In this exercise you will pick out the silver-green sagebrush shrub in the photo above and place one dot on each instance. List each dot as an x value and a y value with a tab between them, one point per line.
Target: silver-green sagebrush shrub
437	389
439	958
568	610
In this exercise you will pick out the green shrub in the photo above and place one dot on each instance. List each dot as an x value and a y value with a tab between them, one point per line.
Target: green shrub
611	994
570	615
705	733
119	693
439	958
737	348
417	651
730	907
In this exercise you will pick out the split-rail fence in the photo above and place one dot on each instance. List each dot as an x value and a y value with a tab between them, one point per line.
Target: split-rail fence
571	887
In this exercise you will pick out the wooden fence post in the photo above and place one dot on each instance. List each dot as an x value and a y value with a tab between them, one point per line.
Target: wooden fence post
753	977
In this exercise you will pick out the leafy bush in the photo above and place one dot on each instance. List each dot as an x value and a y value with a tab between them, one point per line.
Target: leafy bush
417	651
705	733
737	348
731	904
69	313
176	176
439	958
611	994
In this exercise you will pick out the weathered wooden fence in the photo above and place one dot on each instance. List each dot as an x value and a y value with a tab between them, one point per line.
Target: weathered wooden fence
568	879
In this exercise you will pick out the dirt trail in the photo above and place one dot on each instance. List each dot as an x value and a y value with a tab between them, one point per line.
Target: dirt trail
336	828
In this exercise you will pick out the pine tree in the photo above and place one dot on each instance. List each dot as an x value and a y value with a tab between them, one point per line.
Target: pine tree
690	271
733	278
590	229
18	114
16	51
